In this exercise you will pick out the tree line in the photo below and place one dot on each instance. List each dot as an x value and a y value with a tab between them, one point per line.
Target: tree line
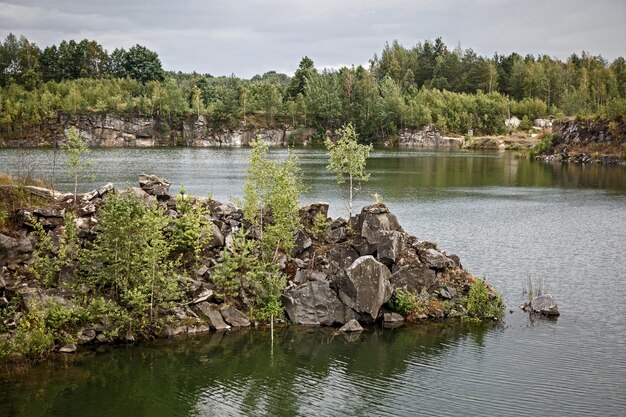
430	83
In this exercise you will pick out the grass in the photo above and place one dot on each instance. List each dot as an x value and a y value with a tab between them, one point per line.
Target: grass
14	196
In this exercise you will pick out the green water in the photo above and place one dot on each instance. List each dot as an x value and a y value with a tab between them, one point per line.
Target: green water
505	217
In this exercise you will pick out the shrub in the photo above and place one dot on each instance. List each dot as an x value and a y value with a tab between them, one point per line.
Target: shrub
543	147
129	257
480	303
191	230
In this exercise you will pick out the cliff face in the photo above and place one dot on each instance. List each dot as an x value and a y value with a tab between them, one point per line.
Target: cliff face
589	141
119	131
107	130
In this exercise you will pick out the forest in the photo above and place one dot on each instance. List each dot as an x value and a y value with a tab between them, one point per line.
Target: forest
430	83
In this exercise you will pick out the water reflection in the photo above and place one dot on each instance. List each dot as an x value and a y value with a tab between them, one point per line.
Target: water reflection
236	373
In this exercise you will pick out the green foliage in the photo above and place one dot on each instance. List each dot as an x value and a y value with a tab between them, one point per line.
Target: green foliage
415	305
348	159
50	258
242	269
481	303
321	224
543	147
75	149
271	193
129	257
191	230
525	124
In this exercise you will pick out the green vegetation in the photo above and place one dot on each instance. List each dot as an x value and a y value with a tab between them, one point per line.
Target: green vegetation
543	147
191	231
75	149
455	89
348	159
271	191
481	303
416	305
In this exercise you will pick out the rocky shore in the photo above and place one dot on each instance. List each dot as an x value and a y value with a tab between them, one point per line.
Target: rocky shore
341	272
594	141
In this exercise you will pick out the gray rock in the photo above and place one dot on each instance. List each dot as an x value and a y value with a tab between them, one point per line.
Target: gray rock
351	326
389	247
392	318
198	329
303	241
447	293
86	336
69	348
336	235
155	186
545	305
314	303
14	250
412	278
341	256
433	258
217	238
234	317
202	270
44	212
365	287
171	331
204	295
374	221
3	302
211	314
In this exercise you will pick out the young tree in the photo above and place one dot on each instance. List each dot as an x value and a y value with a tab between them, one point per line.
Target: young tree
75	149
348	158
272	187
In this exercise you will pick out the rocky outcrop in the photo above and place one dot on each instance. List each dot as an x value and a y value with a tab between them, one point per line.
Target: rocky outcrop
595	141
544	305
427	137
339	271
119	131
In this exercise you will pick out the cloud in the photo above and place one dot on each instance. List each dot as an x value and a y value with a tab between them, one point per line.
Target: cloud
247	37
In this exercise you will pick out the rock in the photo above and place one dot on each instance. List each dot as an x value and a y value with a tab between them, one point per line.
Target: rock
351	326
366	287
14	250
545	305
447	293
217	238
105	189
234	317
69	348
171	331
155	186
204	295
341	256
211	314
412	278
314	303
389	247
141	194
303	241
392	318
42	301
49	212
3	302
198	329
202	270
102	338
433	258
224	211
374	221
309	213
335	235
86	336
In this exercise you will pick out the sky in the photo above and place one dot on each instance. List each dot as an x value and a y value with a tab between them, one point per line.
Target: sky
248	37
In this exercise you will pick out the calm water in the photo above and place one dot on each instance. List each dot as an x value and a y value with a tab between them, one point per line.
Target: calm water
506	218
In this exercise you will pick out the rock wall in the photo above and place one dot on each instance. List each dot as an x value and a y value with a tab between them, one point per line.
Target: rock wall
427	137
118	131
588	141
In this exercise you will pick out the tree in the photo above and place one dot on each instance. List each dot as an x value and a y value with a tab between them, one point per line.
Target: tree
348	158
303	74
138	63
272	188
74	150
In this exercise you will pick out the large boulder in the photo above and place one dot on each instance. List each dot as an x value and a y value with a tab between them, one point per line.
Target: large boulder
234	317
210	312
365	287
374	221
412	278
314	303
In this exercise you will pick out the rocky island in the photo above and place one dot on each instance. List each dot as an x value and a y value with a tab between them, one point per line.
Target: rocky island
364	269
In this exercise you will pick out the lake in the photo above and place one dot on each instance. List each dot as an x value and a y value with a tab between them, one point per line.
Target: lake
507	219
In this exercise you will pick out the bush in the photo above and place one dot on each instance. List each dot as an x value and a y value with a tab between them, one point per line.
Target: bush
480	303
191	230
543	147
129	257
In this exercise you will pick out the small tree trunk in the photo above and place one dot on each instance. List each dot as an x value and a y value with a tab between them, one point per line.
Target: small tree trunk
350	204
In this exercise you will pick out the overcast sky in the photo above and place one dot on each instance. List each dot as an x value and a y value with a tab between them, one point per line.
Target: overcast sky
247	37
